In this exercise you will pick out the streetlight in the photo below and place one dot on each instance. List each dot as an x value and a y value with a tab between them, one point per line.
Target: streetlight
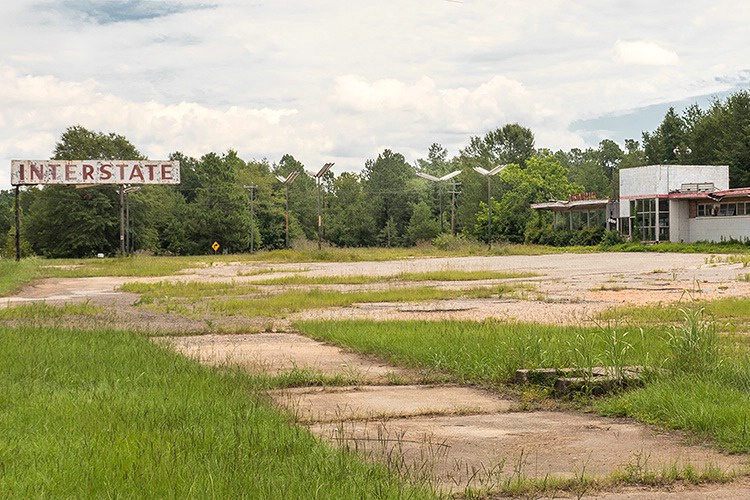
488	175
252	189
286	181
439	180
318	179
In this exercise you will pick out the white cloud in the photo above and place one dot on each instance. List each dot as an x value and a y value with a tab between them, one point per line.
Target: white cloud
643	52
337	81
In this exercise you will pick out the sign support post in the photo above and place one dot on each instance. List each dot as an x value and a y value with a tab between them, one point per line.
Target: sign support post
18	224
122	220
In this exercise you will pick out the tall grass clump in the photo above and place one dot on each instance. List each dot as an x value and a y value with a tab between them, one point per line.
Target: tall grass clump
109	414
694	345
480	352
13	275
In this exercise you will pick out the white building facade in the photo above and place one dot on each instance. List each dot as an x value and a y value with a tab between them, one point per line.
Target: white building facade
683	203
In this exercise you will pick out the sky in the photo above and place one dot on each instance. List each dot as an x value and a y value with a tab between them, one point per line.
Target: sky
340	81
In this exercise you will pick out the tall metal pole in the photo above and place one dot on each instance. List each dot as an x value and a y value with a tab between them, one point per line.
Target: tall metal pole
122	220
440	186
252	218
287	215
18	224
453	209
489	215
320	219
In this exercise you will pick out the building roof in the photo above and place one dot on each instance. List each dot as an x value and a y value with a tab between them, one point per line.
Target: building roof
564	206
710	195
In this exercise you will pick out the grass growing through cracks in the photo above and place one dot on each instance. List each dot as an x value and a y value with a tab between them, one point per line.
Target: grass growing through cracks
442	275
110	414
44	311
196	298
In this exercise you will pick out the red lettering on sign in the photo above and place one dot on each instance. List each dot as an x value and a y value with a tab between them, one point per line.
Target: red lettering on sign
54	166
36	171
122	167
150	167
166	171
88	172
136	172
21	172
70	172
105	172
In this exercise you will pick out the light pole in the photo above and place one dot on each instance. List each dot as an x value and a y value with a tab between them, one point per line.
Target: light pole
440	180
318	179
286	182
488	175
252	189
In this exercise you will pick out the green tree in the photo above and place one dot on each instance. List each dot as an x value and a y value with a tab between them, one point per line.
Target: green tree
423	226
391	188
349	222
543	179
7	222
509	144
664	144
221	208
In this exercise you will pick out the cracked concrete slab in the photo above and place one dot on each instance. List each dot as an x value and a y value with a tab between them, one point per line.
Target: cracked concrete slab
368	402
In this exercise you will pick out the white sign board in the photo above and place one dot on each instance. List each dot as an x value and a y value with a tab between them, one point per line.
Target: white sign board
31	172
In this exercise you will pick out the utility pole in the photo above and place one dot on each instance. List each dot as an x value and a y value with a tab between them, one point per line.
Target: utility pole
318	179
439	181
454	191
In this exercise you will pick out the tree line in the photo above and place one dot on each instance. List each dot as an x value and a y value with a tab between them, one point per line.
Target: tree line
242	205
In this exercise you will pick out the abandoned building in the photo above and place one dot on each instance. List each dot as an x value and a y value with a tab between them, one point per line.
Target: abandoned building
678	203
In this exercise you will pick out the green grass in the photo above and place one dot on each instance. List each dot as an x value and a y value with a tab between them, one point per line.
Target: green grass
195	299
44	311
186	289
138	266
110	414
708	405
731	314
443	275
487	352
293	301
13	275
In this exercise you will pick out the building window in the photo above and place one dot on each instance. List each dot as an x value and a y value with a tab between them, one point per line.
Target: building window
723	209
646	213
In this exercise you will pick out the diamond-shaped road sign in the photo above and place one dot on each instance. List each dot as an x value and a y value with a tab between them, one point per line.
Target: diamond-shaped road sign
215	246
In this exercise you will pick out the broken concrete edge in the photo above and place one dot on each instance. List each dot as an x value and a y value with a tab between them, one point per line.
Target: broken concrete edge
596	381
549	375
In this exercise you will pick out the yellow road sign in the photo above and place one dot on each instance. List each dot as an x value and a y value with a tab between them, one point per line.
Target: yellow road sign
215	246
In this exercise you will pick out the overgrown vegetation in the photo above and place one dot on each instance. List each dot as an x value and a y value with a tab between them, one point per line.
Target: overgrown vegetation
696	380
110	414
194	301
13	275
